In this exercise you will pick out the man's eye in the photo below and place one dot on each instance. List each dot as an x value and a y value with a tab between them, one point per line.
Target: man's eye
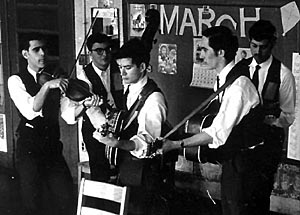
264	46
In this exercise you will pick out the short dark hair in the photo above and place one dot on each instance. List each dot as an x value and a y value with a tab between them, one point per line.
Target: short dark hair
221	38
24	39
97	38
134	49
262	30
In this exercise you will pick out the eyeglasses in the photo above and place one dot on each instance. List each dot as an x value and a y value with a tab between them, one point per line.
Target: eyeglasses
100	51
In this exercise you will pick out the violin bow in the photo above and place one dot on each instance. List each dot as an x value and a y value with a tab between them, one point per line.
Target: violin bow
83	44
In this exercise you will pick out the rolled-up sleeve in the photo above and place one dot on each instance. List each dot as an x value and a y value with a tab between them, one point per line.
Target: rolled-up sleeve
67	108
287	98
237	101
21	98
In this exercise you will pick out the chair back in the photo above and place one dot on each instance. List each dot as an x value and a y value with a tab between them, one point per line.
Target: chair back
104	191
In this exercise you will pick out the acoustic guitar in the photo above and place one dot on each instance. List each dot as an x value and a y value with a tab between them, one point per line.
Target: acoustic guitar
195	125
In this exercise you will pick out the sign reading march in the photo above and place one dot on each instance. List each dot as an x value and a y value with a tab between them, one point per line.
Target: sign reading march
181	18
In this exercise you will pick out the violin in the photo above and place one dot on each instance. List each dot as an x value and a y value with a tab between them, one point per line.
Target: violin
77	90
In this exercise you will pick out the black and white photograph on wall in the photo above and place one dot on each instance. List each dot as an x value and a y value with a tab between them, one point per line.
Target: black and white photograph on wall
202	77
137	20
242	53
167	58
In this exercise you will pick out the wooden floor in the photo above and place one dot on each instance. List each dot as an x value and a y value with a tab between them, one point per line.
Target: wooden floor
179	202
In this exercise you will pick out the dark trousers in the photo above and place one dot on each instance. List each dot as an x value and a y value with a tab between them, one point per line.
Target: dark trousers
45	183
247	181
145	198
99	165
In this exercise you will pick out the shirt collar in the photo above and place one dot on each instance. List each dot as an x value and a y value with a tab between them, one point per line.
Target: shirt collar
99	71
265	64
32	72
137	87
224	72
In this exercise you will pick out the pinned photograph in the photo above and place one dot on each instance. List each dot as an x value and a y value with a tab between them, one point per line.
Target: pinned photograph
167	58
137	20
202	77
242	53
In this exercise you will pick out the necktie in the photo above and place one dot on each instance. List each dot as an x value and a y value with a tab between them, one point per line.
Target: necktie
125	97
38	77
218	86
255	76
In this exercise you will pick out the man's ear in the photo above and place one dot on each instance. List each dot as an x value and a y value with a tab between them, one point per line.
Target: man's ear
221	53
143	66
25	54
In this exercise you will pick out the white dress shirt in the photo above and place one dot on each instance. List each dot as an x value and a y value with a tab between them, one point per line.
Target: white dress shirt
21	98
287	90
237	101
68	106
150	119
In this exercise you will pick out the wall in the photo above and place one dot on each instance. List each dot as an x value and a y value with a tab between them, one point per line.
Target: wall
181	24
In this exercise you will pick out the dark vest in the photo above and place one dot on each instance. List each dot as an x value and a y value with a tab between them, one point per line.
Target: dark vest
249	132
48	126
99	89
132	170
270	92
151	87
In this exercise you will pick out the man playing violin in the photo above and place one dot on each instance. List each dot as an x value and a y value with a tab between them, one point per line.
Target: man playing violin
234	136
42	169
104	80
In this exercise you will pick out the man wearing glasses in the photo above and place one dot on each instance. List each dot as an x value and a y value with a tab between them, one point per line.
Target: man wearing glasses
106	87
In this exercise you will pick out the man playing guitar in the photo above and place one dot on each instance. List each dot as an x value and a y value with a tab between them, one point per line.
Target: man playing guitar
234	134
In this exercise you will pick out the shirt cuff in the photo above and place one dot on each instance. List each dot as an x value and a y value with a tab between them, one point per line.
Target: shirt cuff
140	150
216	141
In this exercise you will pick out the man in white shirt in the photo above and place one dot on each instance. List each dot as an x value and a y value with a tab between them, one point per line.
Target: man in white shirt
234	132
140	130
276	87
104	80
42	169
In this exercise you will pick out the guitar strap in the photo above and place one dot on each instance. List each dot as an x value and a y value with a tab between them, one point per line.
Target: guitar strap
193	153
204	104
148	89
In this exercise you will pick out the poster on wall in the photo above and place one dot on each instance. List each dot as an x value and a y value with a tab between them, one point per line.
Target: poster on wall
167	58
110	20
202	77
242	53
3	140
137	20
293	149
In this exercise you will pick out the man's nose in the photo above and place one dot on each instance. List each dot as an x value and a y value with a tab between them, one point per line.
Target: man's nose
258	50
122	71
201	56
42	51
